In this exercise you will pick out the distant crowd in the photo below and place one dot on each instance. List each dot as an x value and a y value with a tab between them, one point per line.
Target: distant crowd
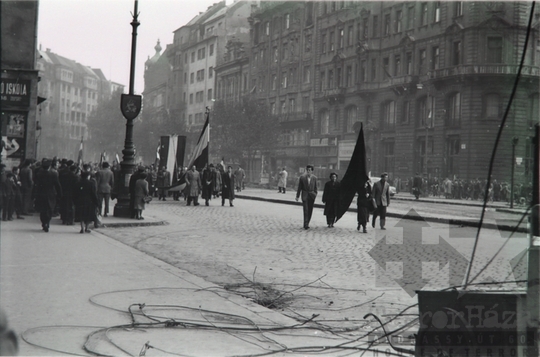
465	189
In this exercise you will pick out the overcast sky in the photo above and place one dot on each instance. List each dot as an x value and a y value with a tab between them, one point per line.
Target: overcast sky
97	33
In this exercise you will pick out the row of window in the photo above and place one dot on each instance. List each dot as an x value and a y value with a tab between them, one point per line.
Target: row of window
199	96
426	112
199	74
199	118
201	54
64	88
402	64
290	107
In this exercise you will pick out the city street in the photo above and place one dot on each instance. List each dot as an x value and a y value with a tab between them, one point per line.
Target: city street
329	272
254	255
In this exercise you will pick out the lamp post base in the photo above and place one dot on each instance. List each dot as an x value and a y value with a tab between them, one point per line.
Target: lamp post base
122	209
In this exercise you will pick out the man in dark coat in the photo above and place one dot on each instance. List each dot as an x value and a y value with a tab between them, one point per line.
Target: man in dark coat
330	198
27	183
381	194
68	181
307	188
46	191
227	186
163	182
417	185
208	183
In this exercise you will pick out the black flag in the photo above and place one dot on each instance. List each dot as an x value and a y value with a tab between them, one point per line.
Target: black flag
355	177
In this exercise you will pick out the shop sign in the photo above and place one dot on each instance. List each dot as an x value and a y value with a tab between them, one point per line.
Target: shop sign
346	150
15	92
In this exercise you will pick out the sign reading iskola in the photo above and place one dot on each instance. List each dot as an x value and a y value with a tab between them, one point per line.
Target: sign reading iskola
15	91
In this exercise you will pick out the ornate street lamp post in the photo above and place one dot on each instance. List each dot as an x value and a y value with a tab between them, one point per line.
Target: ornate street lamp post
130	105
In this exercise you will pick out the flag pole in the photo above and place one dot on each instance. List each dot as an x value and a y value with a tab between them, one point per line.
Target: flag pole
208	152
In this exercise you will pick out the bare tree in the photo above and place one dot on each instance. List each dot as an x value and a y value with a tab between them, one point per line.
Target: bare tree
106	129
242	129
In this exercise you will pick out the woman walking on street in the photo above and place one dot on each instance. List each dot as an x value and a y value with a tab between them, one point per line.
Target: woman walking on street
141	191
330	198
364	204
86	201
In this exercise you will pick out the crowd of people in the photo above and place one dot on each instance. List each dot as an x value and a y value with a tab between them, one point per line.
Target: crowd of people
57	188
77	192
474	189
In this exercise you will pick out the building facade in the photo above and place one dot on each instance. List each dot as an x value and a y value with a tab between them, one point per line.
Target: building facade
198	48
19	81
71	92
282	65
428	81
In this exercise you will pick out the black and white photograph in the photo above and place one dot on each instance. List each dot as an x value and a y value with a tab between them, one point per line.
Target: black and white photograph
248	178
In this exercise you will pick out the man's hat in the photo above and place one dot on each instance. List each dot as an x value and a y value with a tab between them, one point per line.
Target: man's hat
140	168
45	163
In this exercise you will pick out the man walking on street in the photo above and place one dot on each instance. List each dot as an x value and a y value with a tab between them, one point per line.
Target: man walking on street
105	182
381	194
307	187
208	183
239	176
227	186
27	183
46	190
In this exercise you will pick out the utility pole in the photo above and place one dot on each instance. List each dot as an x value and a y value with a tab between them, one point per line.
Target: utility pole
533	274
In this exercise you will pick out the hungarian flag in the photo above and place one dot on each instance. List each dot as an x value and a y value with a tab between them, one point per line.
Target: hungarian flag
355	177
80	158
156	163
199	156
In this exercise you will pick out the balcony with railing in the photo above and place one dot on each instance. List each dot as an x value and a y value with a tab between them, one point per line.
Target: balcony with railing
332	94
297	116
484	69
395	81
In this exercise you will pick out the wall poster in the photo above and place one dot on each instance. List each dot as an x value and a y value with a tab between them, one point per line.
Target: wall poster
14	125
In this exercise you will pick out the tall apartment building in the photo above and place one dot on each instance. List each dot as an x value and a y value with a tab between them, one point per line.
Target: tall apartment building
197	49
71	92
282	65
429	81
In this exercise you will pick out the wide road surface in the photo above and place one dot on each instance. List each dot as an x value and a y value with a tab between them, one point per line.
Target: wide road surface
259	250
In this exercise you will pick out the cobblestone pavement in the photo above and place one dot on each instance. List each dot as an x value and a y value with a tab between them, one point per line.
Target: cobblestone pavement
259	250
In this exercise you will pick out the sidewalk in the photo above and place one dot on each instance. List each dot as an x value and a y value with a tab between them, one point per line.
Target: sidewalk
438	210
64	292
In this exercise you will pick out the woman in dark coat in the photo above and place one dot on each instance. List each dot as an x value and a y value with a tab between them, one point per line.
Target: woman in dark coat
86	201
364	206
330	198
